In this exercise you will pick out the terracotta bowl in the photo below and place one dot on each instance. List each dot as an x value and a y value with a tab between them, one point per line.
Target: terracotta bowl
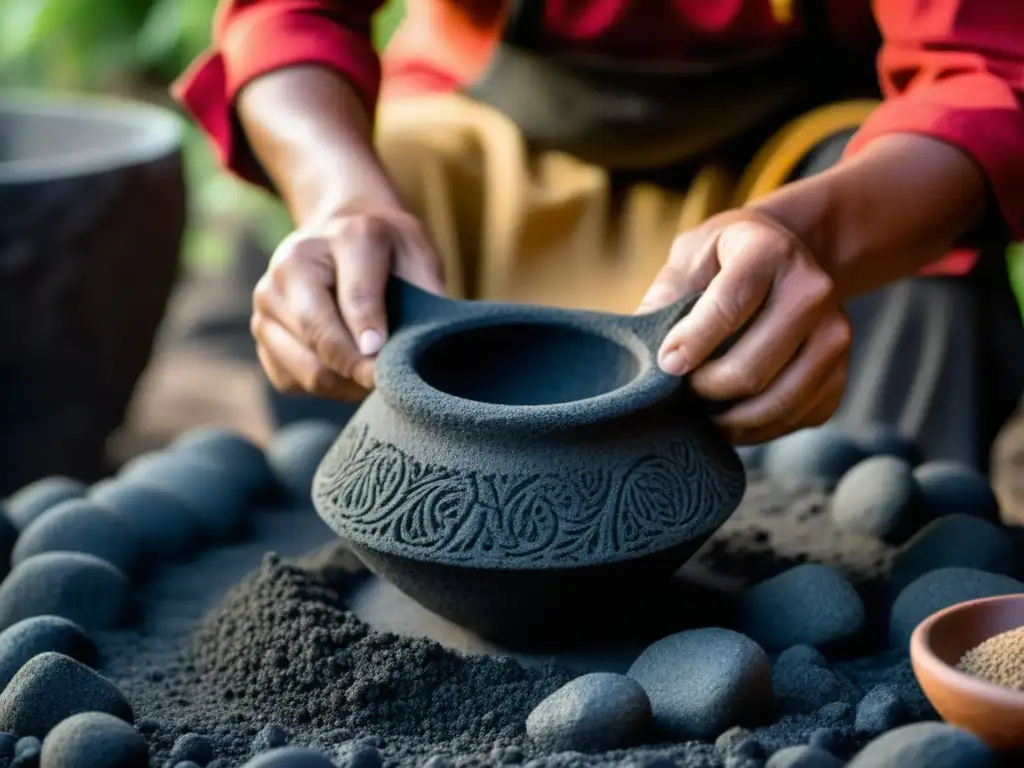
993	713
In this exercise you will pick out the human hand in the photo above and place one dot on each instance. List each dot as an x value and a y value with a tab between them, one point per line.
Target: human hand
787	370
318	312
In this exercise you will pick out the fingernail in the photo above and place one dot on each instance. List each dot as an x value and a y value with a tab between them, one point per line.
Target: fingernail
673	362
370	342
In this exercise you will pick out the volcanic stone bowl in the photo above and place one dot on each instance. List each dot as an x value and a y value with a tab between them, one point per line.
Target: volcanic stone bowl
994	713
526	471
92	210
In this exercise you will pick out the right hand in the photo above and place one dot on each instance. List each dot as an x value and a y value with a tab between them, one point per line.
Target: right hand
318	312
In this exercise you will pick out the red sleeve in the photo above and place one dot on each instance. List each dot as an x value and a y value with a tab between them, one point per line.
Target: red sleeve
954	70
254	37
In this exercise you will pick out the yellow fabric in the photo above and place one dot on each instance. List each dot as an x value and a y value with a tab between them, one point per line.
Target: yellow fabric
545	228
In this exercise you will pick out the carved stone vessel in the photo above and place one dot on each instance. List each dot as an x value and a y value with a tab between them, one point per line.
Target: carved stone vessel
92	210
522	471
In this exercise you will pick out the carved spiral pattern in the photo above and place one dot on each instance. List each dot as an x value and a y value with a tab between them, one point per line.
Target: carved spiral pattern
380	497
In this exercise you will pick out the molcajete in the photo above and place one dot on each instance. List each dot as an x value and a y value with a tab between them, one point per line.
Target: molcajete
524	471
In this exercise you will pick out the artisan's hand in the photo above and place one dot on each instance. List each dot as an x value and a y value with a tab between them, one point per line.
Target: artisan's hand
318	312
788	368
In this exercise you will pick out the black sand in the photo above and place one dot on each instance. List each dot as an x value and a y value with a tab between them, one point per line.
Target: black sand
246	649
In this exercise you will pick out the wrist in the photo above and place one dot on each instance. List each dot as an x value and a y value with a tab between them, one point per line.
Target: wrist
885	213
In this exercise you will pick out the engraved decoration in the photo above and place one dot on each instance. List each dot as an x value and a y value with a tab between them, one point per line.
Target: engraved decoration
378	496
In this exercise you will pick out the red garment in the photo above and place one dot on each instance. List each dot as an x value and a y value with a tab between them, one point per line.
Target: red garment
950	69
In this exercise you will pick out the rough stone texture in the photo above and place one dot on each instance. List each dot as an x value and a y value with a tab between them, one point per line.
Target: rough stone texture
81	525
803	756
291	757
94	740
940	589
88	263
810	604
878	497
879	711
925	745
192	747
592	713
957	541
212	493
52	687
76	586
166	527
35	498
802	682
704	681
40	634
949	488
818	456
296	452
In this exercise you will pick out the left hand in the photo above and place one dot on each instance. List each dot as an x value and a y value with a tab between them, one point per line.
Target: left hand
788	368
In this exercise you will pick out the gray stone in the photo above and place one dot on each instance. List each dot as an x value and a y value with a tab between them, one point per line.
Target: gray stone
940	589
925	745
879	711
166	527
819	456
881	439
951	488
194	747
52	687
291	757
878	498
94	740
956	541
245	460
803	756
79	587
39	634
801	684
81	525
809	604
296	452
35	498
593	713
703	681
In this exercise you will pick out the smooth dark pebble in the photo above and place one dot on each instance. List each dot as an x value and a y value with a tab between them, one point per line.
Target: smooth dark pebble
39	634
881	439
809	604
804	756
956	541
238	454
82	588
949	488
81	525
269	737
194	747
703	681
819	456
295	453
800	687
940	589
925	745
738	742
593	713
878	498
94	740
165	525
52	687
218	500
291	757
880	710
35	498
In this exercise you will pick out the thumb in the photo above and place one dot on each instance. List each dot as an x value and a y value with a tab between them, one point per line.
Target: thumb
362	261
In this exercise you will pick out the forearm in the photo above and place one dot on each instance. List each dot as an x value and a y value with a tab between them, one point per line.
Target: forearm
896	206
313	137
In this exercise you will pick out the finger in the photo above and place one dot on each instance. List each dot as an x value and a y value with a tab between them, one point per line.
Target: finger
691	265
748	255
289	363
417	261
362	257
789	317
798	388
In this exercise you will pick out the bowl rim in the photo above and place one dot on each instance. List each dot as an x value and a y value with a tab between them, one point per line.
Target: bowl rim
160	133
948	675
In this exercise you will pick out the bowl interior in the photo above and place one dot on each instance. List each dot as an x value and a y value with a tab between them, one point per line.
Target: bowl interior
527	363
964	628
